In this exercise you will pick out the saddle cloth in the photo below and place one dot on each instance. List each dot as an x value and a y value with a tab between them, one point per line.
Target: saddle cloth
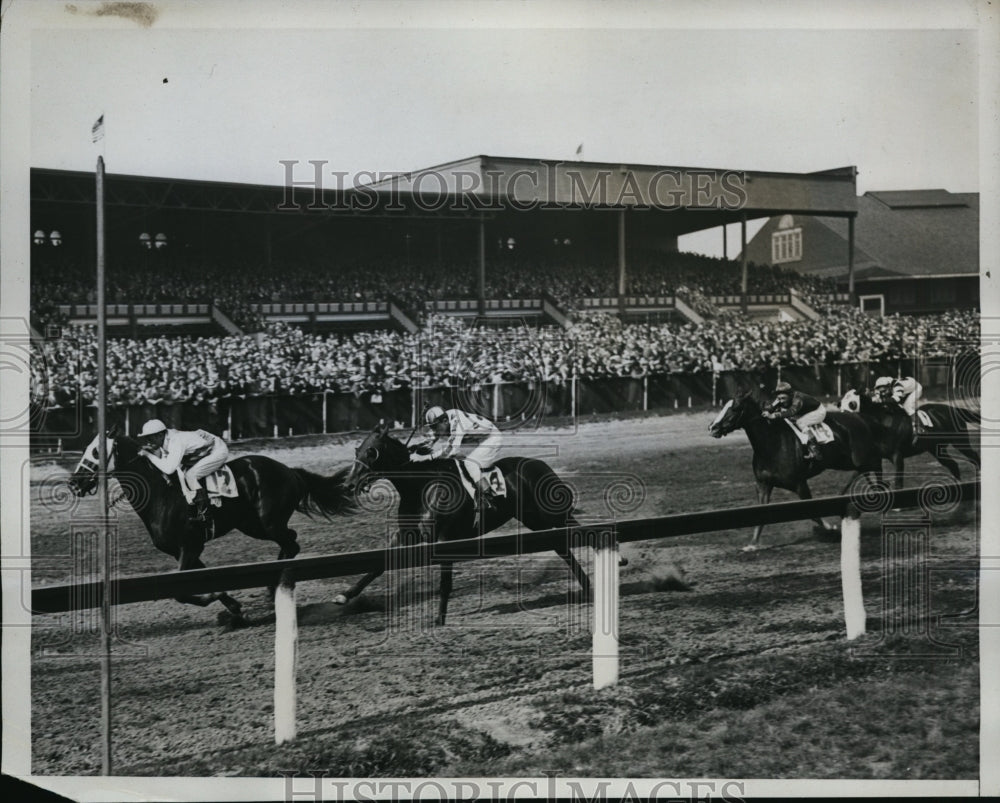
220	485
924	418
494	476
821	431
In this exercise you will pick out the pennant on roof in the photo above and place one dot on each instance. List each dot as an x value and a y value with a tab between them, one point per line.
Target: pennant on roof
97	130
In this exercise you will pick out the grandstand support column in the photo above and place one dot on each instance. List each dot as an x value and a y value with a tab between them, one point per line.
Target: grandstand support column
481	291
743	260
850	257
621	261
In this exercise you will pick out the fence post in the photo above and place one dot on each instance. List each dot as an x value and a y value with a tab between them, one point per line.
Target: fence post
850	572
128	429
413	406
840	381
325	391
572	396
605	637
286	636
496	401
229	419
645	392
715	382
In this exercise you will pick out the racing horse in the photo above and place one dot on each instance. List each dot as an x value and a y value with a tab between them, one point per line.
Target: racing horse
268	493
434	506
892	429
778	455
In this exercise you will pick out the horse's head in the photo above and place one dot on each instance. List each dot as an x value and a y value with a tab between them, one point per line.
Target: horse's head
83	480
735	414
377	454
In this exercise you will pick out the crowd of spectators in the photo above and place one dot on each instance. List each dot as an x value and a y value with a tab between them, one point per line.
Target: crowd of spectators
236	286
449	351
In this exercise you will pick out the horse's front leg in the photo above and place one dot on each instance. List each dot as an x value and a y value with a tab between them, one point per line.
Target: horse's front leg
189	559
763	497
445	591
897	468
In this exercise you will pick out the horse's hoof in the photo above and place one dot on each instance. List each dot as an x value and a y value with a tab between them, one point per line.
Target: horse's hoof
750	548
439	621
233	622
340	599
622	561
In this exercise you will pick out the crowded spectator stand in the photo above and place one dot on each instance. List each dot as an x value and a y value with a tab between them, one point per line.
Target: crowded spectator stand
286	381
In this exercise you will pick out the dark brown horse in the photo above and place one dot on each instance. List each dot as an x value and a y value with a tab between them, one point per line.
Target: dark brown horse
434	505
892	429
778	455
269	492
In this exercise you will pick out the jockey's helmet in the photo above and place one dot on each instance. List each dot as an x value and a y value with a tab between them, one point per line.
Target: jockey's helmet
782	388
883	381
152	427
434	414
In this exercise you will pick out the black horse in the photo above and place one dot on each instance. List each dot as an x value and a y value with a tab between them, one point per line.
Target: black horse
434	506
778	455
892	429
268	493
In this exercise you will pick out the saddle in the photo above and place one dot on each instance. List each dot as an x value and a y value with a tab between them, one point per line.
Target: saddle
821	431
493	476
220	484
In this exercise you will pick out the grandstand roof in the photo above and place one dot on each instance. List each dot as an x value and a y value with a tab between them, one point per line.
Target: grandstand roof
695	198
531	182
898	234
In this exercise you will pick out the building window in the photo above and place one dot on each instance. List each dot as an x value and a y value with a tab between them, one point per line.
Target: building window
786	246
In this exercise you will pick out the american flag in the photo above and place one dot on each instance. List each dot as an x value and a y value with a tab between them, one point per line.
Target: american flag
97	130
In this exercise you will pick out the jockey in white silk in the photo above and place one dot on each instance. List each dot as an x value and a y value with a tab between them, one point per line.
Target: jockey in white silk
200	452
906	392
471	437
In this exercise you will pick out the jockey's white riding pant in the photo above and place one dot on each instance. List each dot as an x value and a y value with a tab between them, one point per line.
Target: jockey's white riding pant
213	461
806	420
483	455
909	403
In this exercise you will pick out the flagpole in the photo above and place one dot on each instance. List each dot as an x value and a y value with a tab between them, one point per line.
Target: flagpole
102	483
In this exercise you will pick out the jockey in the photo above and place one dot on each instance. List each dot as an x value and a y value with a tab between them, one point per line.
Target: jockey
882	391
802	409
906	393
453	429
197	452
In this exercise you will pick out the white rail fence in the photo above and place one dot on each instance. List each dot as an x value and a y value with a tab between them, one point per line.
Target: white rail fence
603	538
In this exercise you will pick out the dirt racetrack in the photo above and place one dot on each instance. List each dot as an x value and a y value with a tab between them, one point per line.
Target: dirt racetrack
748	674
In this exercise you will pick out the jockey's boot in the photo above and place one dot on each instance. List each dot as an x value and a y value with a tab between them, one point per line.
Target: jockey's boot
485	494
812	450
200	505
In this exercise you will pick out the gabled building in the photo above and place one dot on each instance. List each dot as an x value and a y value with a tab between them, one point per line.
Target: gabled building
915	251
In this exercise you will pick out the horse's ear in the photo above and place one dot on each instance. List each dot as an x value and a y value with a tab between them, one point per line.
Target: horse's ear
113	431
382	427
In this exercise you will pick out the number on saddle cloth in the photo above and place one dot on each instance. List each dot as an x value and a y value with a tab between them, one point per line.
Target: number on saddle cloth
822	432
220	484
924	418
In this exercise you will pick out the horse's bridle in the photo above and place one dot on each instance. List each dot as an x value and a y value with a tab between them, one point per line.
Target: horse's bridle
91	466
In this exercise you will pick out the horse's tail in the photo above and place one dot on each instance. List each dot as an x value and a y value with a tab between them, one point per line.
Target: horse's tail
325	496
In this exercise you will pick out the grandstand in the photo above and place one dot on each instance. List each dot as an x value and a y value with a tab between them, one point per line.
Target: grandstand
553	239
241	310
